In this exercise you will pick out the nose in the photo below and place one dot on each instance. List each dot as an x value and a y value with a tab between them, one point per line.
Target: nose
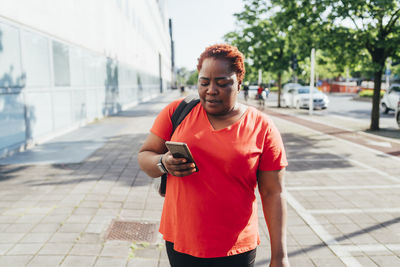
212	89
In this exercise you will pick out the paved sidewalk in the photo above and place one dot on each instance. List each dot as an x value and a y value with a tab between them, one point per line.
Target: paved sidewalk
56	205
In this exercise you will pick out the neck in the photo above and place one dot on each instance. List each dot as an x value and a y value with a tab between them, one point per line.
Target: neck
235	110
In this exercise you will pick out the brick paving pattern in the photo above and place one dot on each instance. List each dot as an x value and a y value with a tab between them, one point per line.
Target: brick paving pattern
343	201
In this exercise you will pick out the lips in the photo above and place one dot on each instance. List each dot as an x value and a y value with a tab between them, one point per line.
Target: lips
213	101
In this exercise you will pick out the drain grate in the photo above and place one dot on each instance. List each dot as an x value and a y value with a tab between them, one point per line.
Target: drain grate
132	231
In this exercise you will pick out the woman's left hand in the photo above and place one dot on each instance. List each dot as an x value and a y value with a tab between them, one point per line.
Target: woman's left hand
177	166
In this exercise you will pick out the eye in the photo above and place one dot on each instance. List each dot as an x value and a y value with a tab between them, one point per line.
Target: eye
223	84
204	82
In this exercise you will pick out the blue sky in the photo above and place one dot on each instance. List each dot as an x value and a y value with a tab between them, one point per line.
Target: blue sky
199	23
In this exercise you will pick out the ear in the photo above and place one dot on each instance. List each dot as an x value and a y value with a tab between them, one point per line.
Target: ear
239	85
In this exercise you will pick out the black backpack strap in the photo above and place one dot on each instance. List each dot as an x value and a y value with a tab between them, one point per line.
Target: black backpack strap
180	113
183	110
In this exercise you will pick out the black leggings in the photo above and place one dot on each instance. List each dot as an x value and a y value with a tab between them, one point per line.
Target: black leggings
177	259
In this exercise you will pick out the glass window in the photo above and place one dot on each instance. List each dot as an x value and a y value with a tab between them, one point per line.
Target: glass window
77	68
10	58
35	50
396	89
61	64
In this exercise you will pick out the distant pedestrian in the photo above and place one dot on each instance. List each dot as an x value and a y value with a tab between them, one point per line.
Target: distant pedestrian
266	91
209	215
260	97
246	92
182	89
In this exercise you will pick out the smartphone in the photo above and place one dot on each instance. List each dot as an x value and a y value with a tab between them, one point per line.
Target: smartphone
180	150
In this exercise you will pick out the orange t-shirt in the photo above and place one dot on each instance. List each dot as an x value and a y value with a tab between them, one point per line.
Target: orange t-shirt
213	212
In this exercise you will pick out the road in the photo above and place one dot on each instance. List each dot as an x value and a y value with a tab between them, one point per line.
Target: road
345	106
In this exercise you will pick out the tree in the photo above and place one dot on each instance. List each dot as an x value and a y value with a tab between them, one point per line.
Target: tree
272	39
348	28
193	77
265	44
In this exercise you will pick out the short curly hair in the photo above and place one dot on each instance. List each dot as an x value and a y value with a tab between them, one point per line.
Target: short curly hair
227	52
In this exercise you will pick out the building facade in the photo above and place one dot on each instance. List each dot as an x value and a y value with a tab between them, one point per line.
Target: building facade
65	63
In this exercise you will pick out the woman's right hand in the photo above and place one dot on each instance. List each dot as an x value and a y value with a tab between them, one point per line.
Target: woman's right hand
177	166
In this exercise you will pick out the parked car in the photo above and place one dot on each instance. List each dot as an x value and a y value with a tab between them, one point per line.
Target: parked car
390	98
253	91
298	97
398	113
289	86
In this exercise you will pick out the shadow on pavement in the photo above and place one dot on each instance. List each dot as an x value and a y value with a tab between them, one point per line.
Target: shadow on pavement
115	161
337	239
9	172
308	150
386	132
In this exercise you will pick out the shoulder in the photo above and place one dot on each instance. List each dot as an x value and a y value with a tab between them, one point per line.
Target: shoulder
171	107
258	116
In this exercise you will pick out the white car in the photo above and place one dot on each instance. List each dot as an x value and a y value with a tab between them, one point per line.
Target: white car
289	86
391	98
298	97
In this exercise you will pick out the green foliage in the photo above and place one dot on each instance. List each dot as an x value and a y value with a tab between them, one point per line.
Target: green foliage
186	77
193	77
359	34
369	93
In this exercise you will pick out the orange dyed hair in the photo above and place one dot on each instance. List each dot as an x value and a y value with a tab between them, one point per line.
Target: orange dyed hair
227	52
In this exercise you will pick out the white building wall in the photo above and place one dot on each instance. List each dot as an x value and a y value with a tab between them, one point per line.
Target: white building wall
116	28
64	63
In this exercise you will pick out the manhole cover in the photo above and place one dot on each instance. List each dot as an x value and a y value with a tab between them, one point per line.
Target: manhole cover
132	231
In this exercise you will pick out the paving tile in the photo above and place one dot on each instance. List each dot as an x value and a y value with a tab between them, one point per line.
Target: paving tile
300	262
117	251
10	218
140	262
10	237
89	238
25	249
365	261
64	238
78	261
4	226
15	261
329	262
79	218
111	204
90	204
386	260
56	249
36	237
106	262
4	247
19	228
42	261
55	218
63	209
97	228
85	210
46	228
102	219
86	249
320	251
97	197
30	218
72	227
149	253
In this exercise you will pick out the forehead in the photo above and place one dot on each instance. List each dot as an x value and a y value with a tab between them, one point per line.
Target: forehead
216	67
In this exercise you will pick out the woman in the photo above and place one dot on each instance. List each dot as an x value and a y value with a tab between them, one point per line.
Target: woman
210	217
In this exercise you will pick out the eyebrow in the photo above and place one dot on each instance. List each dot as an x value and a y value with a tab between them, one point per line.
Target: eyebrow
217	78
